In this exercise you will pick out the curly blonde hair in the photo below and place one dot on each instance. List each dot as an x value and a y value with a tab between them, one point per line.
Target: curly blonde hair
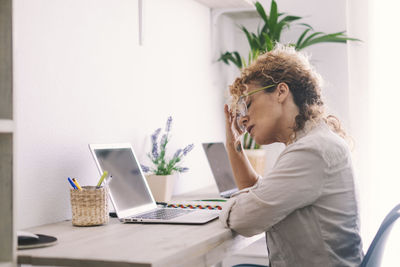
284	64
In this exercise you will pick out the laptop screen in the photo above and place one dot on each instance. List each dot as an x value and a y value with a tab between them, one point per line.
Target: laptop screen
220	166
127	186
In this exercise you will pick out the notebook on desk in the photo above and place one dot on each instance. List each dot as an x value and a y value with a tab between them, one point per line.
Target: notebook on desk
130	193
221	168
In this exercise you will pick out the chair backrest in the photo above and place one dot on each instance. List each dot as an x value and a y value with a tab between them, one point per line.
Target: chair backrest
390	214
375	251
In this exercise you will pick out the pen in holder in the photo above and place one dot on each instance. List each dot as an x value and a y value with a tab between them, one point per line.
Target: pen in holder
89	206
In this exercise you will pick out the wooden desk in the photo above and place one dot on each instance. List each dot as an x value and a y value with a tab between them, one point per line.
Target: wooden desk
118	244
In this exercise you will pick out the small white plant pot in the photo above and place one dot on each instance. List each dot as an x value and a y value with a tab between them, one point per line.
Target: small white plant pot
161	186
258	159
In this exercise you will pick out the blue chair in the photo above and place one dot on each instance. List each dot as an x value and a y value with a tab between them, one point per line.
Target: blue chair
373	257
374	254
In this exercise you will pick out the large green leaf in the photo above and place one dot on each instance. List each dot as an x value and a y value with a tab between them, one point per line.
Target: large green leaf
332	38
265	29
261	37
309	38
278	30
319	37
225	57
290	18
269	44
261	11
233	57
250	39
298	44
284	24
307	25
273	18
256	41
238	59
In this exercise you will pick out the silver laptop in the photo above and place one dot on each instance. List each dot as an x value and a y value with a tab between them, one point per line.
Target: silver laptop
221	168
130	193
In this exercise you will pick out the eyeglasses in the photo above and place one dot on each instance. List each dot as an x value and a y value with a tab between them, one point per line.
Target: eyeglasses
241	105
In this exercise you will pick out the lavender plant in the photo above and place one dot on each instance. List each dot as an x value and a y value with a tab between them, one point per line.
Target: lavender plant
162	166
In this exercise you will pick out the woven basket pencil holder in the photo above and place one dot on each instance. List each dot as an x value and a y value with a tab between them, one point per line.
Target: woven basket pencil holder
89	206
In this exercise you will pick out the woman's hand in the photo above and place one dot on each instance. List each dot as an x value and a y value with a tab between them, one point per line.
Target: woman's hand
233	132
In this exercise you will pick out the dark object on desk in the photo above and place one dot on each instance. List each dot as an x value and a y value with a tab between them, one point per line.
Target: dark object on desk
25	242
113	214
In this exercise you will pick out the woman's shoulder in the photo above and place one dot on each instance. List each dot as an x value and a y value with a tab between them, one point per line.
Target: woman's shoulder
322	140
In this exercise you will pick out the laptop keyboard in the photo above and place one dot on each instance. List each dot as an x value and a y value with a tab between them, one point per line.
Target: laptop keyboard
164	214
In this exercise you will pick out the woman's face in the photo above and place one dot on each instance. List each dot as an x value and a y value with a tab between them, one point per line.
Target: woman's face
265	114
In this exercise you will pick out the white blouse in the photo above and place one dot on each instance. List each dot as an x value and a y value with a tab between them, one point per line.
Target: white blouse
306	205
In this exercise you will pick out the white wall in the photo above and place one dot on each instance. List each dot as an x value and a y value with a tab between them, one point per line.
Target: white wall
383	127
360	112
374	94
80	77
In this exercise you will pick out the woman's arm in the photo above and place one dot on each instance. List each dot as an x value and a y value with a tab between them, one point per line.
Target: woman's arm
244	174
296	181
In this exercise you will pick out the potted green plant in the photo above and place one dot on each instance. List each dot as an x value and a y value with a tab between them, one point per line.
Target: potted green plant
161	176
270	33
265	39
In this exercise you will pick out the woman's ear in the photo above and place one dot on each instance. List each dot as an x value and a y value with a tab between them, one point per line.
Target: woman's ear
282	92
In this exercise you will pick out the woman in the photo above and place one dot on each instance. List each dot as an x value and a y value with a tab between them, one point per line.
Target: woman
306	204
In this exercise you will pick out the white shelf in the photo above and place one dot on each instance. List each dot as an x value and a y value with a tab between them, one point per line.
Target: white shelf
6	126
227	3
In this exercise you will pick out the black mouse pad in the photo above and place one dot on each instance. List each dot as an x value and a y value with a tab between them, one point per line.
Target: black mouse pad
42	241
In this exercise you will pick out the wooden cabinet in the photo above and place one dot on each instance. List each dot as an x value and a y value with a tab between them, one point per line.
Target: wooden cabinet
7	233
